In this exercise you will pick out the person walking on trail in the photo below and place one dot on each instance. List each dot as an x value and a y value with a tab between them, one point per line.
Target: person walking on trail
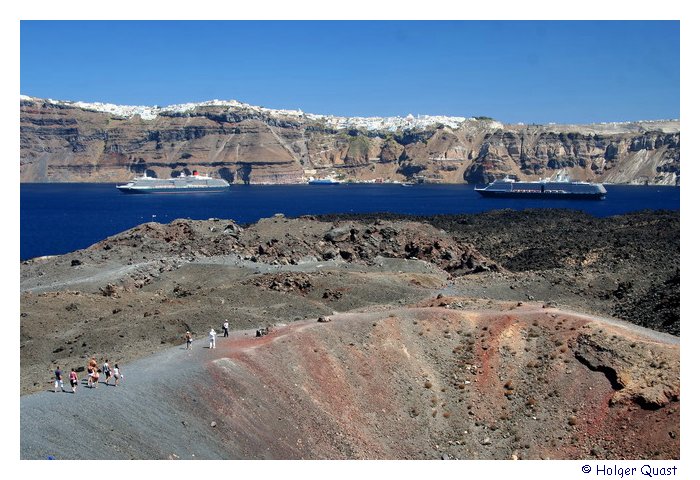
117	374
93	374
107	371
73	377
89	376
225	328
212	338
59	379
95	377
188	340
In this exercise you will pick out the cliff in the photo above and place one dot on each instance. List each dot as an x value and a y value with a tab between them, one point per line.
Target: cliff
79	142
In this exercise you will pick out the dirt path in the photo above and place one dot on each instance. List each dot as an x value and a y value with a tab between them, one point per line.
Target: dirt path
647	333
153	413
97	275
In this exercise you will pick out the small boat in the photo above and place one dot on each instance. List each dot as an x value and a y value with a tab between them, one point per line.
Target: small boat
194	183
323	181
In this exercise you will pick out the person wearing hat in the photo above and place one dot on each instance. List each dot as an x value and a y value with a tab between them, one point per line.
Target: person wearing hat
188	339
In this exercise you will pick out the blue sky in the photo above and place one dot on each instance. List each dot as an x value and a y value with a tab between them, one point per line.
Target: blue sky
517	71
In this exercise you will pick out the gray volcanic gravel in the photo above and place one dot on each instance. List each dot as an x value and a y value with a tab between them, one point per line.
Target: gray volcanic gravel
154	413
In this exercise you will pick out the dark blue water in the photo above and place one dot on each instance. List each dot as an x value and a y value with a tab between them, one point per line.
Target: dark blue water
61	218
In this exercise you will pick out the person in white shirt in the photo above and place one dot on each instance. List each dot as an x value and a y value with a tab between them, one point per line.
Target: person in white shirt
225	328
212	338
107	371
117	374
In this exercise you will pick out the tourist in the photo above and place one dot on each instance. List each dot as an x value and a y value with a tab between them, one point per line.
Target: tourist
73	377
117	374
59	379
212	338
92	372
107	371
225	328
89	376
188	339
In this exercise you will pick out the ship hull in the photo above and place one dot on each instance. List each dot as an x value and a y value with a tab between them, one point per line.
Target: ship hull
543	195
175	190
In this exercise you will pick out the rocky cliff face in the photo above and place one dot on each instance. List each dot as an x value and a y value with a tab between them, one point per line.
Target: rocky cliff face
73	142
649	154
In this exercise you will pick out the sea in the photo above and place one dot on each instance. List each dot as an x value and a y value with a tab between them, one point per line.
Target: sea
61	218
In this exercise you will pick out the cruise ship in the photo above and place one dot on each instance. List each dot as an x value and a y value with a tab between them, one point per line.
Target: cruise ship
183	184
559	187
